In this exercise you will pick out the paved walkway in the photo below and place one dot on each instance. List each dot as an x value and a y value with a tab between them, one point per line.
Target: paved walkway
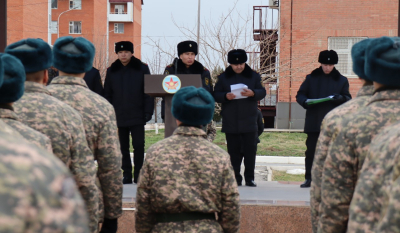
267	193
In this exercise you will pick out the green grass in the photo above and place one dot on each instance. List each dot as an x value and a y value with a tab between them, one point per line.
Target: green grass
283	176
272	143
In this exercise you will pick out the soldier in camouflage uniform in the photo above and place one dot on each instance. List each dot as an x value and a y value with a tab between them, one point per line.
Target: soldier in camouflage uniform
330	124
39	194
185	179
55	119
11	91
347	152
73	57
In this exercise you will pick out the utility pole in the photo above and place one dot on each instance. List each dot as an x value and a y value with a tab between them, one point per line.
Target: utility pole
198	29
3	25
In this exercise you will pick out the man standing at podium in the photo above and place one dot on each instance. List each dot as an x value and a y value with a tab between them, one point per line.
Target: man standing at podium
124	89
239	113
186	64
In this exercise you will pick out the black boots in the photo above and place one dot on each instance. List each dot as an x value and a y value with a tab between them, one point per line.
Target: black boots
306	184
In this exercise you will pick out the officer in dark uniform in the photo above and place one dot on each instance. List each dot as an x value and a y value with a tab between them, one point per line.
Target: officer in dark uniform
124	89
186	64
93	81
239	116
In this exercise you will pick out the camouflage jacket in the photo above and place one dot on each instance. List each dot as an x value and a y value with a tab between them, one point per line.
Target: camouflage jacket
186	173
63	125
390	215
329	129
211	131
346	156
31	135
372	189
37	192
101	134
8	130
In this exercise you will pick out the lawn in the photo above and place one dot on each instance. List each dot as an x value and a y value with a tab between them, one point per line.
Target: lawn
272	143
283	176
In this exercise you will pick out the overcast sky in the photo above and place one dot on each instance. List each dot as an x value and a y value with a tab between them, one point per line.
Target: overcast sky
158	17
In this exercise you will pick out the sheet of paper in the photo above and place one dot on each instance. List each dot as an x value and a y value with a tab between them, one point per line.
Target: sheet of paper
316	101
237	88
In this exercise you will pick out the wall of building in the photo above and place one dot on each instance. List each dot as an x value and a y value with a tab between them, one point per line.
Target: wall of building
314	21
27	19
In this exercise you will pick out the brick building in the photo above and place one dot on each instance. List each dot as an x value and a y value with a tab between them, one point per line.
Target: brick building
103	22
319	25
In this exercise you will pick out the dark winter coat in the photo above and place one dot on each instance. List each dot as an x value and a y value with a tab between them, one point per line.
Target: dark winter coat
124	89
93	81
196	68
239	115
320	85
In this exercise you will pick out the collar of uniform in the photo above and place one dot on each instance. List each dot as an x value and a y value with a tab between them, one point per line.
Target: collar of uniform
387	94
69	80
7	113
189	131
31	87
367	90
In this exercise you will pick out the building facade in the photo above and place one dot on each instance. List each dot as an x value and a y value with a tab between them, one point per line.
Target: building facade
103	22
308	27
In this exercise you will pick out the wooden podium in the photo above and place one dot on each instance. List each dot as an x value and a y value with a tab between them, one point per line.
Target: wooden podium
165	86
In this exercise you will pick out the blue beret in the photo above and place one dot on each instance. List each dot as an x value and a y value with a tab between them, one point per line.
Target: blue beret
382	61
237	56
14	79
35	54
358	57
193	106
73	55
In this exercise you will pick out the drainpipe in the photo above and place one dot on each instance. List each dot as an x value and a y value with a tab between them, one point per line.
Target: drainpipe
291	61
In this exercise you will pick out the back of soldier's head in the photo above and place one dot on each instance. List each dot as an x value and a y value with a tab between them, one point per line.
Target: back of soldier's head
193	106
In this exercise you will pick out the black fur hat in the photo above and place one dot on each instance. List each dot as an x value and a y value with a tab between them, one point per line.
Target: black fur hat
124	46
237	56
328	57
187	46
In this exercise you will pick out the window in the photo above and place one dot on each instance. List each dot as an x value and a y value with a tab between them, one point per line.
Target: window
75	27
119	9
75	4
53	27
54	4
342	45
118	28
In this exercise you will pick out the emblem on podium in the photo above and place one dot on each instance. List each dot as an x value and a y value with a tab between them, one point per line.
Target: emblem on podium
171	84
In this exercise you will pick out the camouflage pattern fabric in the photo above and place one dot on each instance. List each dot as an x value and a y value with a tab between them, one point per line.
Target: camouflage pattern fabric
10	131
329	131
101	134
63	125
346	156
371	193
37	192
211	131
186	173
31	135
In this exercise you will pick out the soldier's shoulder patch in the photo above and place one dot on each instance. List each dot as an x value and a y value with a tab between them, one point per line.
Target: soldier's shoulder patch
170	65
144	63
207	81
166	72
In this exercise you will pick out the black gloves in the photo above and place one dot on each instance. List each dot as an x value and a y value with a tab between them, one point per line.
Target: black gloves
338	99
109	225
147	117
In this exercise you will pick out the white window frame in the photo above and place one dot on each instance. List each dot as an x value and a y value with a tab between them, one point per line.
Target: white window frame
53	27
117	28
75	4
119	9
56	1
344	51
72	24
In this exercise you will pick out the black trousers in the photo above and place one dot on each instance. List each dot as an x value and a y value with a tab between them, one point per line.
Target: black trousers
137	133
247	144
311	143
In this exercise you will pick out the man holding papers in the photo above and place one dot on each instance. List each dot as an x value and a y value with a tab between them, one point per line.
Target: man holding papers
322	90
238	89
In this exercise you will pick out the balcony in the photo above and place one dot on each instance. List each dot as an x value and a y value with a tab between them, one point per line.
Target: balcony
119	16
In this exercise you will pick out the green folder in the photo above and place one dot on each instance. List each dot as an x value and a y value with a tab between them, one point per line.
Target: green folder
316	101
